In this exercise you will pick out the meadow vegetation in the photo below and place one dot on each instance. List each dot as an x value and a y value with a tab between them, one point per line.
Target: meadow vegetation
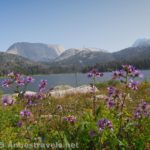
120	120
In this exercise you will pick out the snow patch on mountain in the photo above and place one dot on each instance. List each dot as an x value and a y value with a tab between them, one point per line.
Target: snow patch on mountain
141	43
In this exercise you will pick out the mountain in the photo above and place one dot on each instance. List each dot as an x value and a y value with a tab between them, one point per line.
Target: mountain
138	55
77	59
141	43
73	52
66	54
55	60
36	51
82	57
11	62
133	53
140	50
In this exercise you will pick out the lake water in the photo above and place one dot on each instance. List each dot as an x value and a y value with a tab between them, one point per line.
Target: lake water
73	79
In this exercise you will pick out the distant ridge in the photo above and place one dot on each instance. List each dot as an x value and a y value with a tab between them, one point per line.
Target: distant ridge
55	59
11	62
138	54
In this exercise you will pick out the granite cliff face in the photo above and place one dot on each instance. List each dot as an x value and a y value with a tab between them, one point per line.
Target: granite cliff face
85	56
36	51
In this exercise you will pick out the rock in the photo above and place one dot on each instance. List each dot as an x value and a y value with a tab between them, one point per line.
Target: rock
62	90
62	87
81	89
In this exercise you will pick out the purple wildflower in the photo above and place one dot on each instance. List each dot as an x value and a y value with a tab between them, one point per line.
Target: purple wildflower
133	85
138	114
104	123
29	79
90	75
20	81
143	110
8	101
118	74
30	102
132	71
25	113
40	95
7	82
143	105
42	85
94	73
110	103
113	92
127	70
30	97
137	73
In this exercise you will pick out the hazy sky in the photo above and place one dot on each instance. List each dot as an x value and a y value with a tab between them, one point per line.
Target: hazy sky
106	24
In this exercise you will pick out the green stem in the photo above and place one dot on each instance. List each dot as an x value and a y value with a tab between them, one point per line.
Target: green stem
122	106
94	98
100	143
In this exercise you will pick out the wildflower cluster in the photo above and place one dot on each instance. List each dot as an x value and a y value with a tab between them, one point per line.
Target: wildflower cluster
8	100
113	92
17	80
31	97
131	71
20	82
127	74
127	70
25	113
42	85
143	110
118	128
133	84
113	95
94	73
104	123
7	83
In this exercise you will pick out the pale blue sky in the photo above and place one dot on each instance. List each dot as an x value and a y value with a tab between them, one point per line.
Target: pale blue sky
108	24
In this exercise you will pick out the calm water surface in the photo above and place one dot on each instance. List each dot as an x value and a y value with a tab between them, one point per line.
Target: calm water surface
69	79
